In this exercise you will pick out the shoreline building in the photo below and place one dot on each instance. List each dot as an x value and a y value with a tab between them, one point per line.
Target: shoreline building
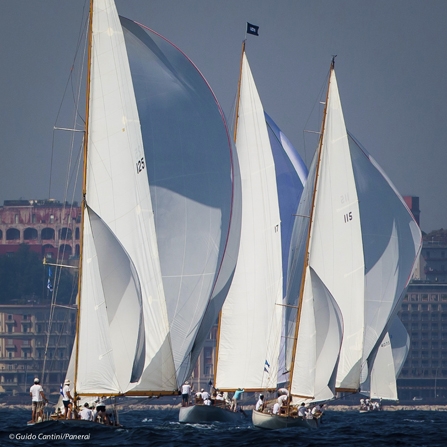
50	228
26	350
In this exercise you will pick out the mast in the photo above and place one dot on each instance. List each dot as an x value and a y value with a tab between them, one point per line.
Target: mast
84	186
234	141
306	253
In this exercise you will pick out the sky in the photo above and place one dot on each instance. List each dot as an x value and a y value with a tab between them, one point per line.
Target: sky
391	69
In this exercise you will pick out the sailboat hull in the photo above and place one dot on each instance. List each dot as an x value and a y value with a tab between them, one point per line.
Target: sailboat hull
273	422
201	414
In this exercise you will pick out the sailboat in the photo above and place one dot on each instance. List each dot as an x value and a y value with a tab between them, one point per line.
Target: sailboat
334	258
380	384
156	212
250	319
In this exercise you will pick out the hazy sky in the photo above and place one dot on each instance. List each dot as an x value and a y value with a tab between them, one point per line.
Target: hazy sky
391	71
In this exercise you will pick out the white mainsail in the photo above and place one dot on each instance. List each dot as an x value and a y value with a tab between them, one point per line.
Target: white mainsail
363	243
336	251
156	223
250	322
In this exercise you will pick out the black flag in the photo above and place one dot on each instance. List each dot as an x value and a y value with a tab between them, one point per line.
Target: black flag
252	29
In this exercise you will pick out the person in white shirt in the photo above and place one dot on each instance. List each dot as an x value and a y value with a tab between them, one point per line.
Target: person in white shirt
302	411
316	411
205	395
186	391
276	408
86	414
37	400
260	403
66	399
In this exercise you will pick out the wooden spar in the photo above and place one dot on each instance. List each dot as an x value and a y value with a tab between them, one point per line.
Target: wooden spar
306	253
236	115
136	394
84	187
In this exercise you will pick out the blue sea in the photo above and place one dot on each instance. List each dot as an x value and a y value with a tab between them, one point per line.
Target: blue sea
161	428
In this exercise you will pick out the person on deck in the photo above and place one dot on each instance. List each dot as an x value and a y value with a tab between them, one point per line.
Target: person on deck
220	401
276	408
236	397
205	395
101	413
86	413
37	400
66	399
186	391
260	403
198	398
302	410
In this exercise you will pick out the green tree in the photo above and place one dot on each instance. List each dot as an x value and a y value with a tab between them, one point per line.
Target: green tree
23	275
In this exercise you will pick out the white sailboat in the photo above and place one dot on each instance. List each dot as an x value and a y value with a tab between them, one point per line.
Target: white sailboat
250	321
335	255
156	212
380	384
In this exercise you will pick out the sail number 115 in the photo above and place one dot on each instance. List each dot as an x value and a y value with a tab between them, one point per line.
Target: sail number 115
347	217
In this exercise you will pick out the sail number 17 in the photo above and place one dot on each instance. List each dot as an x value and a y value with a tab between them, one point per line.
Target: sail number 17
140	165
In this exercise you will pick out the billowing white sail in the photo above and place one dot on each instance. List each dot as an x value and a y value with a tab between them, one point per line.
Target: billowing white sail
336	249
385	366
188	153
158	202
291	175
318	344
363	242
250	322
391	244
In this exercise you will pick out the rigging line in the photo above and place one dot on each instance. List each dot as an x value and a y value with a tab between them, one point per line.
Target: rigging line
317	102
69	82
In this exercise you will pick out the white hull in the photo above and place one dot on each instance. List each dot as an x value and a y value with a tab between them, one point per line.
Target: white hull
272	421
200	414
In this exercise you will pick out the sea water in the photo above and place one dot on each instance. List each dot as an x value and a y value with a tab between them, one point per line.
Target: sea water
161	428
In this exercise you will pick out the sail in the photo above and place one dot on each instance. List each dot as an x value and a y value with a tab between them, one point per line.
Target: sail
319	339
391	243
291	174
158	207
336	252
250	323
386	364
123	324
190	165
383	374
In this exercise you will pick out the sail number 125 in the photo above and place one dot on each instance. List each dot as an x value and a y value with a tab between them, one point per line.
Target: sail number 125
140	165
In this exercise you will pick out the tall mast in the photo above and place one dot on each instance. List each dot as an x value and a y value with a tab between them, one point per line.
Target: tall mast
312	209
236	119
84	185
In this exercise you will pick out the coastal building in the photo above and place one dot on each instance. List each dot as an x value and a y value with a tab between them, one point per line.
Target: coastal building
26	350
50	228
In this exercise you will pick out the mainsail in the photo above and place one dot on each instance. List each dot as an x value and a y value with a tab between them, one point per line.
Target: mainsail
362	244
157	204
250	322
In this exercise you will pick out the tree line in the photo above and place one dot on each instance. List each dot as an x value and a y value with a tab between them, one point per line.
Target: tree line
24	279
